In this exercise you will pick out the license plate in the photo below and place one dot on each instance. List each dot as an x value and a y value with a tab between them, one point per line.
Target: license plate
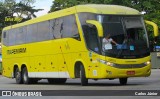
130	72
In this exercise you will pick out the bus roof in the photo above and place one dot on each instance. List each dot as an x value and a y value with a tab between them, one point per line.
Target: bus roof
92	8
107	9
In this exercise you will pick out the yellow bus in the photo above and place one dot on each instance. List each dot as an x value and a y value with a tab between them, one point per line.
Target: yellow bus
86	41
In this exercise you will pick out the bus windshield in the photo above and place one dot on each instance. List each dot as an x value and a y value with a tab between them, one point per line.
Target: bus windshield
124	36
127	37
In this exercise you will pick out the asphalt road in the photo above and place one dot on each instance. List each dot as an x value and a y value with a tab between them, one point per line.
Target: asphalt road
142	83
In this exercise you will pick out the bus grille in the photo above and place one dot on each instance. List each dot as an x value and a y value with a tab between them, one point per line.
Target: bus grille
124	66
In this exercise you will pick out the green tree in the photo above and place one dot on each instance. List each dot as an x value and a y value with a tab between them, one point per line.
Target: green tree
22	9
11	8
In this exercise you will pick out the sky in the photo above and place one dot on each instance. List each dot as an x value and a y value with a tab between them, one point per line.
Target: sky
42	4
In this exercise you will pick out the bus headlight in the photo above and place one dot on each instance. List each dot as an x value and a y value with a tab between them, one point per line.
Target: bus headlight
147	63
110	64
106	63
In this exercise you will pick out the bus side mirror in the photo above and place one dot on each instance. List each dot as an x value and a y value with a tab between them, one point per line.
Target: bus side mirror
98	26
155	27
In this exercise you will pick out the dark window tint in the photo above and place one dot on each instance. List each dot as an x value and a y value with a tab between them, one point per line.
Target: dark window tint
91	37
89	31
112	25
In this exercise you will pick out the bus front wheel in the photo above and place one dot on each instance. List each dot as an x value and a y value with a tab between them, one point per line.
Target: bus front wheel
84	80
123	81
18	76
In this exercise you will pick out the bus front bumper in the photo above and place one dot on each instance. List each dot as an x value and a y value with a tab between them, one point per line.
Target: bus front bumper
112	72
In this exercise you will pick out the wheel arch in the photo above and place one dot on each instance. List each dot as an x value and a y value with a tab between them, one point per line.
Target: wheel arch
22	66
14	69
17	66
77	65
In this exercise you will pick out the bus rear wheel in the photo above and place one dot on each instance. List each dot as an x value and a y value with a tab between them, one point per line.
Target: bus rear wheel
26	79
123	81
18	76
57	80
84	80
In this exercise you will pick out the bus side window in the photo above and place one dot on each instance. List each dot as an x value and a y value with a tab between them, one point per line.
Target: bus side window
20	35
12	37
56	26
91	37
52	27
5	38
75	33
4	34
32	33
70	29
43	31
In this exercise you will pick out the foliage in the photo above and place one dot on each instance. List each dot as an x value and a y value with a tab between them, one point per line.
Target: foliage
22	9
11	8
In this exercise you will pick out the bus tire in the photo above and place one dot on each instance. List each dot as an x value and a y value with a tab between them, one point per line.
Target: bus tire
26	79
84	80
18	76
123	81
57	80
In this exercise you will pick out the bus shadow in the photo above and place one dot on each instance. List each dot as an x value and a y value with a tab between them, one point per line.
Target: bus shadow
103	84
92	84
